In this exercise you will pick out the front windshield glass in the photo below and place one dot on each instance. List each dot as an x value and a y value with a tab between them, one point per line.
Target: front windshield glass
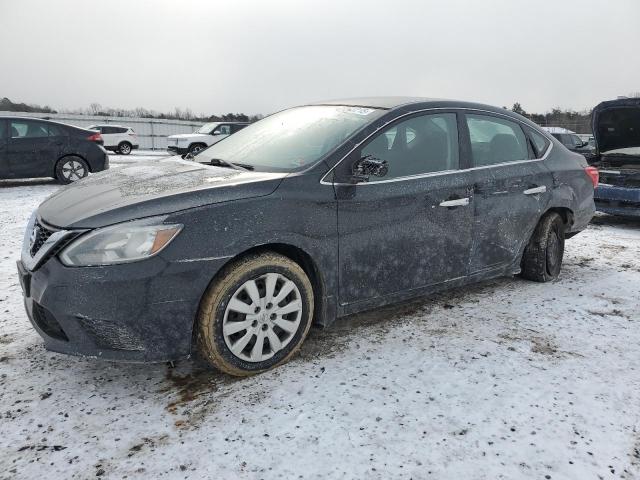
206	128
292	139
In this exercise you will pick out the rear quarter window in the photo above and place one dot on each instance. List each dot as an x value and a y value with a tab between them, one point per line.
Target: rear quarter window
539	142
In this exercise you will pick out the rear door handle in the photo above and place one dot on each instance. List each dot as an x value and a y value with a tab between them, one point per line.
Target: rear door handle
534	190
458	202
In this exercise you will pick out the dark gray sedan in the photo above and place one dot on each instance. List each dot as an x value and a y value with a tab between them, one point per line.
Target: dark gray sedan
308	215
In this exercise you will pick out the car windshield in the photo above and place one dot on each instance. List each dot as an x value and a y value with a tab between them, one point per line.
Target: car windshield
206	128
292	139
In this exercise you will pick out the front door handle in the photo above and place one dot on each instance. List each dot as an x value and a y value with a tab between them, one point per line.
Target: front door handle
534	190
458	202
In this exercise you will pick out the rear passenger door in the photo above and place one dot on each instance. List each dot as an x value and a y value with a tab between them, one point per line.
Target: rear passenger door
511	189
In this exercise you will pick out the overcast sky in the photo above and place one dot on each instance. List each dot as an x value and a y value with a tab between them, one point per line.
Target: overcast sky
258	56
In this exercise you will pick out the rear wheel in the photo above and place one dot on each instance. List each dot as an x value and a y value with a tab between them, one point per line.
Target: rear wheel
255	315
542	258
124	148
70	169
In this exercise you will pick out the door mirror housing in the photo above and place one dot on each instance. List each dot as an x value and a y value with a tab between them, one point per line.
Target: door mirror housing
368	166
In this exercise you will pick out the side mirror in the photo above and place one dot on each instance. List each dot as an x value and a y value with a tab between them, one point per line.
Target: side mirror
369	166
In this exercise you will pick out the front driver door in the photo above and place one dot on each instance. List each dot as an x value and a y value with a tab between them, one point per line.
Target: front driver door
28	144
412	227
4	159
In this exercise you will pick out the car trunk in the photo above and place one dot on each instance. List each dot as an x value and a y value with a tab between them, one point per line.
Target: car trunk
616	128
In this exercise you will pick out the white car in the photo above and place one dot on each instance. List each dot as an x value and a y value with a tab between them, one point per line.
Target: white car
205	136
118	138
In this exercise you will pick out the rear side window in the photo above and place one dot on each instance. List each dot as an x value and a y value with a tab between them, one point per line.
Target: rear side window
495	140
56	131
28	129
3	129
235	128
539	141
121	129
423	144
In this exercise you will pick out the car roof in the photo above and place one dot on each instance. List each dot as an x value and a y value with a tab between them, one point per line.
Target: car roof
417	103
108	125
38	119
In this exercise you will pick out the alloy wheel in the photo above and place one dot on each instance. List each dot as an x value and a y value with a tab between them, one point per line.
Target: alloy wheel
73	170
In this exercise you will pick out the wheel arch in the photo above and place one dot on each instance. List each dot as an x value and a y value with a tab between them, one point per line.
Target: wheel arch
196	143
565	213
297	255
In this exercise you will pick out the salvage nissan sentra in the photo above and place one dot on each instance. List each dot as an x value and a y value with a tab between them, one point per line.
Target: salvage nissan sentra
308	215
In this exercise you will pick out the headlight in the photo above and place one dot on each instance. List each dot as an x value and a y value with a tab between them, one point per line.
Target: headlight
118	244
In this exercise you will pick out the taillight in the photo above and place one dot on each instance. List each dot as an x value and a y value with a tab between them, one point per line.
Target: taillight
593	174
96	137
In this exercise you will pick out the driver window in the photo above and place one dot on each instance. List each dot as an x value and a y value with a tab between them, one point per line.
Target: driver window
423	144
222	130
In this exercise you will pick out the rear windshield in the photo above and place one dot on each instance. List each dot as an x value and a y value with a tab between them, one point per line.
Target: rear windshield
292	139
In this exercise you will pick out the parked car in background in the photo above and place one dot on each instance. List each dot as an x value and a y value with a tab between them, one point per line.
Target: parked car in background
203	137
31	148
616	127
117	138
570	139
359	204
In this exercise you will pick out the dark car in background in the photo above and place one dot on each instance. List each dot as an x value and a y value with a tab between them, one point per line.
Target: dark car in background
570	140
307	215
32	148
616	127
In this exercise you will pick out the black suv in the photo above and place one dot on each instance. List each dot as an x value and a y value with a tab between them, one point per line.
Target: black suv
310	214
31	148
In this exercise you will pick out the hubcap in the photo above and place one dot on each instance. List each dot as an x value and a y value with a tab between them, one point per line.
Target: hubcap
262	317
125	149
196	149
73	170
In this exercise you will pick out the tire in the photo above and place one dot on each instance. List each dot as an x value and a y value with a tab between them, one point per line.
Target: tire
124	148
229	318
542	258
196	148
71	169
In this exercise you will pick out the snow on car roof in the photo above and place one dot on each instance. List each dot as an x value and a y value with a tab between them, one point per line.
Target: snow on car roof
557	130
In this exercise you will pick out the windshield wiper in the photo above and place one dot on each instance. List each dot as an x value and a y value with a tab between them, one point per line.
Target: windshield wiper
218	162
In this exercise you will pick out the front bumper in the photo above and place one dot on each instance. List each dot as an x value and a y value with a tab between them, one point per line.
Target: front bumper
175	150
139	312
617	200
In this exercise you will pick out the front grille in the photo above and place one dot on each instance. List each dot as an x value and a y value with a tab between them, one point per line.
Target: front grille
47	322
39	235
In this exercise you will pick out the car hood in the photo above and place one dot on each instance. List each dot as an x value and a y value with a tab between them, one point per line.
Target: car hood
150	188
616	124
189	135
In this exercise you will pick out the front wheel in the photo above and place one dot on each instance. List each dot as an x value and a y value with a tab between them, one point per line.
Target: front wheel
542	258
196	148
255	315
71	169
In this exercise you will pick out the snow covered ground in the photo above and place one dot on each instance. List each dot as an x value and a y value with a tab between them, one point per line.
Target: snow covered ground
507	379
